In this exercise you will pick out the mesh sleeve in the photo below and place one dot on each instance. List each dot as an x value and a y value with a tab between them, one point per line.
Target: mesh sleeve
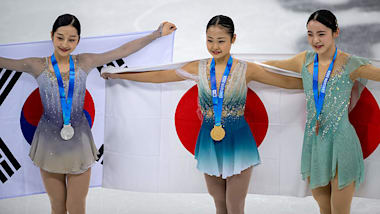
88	61
33	66
359	84
186	75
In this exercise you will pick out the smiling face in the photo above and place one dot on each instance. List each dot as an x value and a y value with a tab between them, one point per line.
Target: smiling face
65	40
320	37
219	41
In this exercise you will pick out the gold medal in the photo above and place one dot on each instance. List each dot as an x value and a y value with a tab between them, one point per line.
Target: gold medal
317	128
217	133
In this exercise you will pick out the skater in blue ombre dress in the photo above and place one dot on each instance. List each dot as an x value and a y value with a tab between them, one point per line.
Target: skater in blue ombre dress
225	149
237	151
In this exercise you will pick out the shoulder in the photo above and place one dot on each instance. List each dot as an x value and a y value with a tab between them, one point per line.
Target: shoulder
305	57
354	62
250	66
85	61
37	64
83	57
302	56
353	59
192	67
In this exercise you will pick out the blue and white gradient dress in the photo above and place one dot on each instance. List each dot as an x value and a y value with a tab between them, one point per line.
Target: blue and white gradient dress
237	151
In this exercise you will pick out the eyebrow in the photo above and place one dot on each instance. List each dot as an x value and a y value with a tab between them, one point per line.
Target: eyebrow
60	34
216	38
320	31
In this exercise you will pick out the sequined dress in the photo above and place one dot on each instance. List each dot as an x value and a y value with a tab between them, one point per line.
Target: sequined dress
48	150
337	147
237	151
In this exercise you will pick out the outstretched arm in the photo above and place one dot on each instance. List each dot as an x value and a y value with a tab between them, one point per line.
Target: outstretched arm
90	61
155	76
259	74
293	64
366	72
32	66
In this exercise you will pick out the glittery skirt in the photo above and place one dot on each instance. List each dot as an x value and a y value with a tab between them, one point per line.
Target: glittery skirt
236	152
337	151
53	154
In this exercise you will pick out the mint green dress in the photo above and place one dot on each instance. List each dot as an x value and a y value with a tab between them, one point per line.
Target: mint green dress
337	147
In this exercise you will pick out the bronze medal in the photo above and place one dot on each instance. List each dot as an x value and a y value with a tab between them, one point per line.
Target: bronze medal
317	128
217	133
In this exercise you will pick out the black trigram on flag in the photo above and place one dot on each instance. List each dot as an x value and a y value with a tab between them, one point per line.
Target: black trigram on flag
8	163
100	155
7	81
116	63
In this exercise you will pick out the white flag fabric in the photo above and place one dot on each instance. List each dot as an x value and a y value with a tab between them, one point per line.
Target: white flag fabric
151	130
20	107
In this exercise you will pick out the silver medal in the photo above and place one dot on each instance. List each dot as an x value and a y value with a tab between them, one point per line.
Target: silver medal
67	132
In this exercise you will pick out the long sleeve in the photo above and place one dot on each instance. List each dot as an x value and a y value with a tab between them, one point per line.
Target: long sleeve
33	66
88	61
293	64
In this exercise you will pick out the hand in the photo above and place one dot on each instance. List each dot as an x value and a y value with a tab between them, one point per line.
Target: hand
167	28
107	72
106	76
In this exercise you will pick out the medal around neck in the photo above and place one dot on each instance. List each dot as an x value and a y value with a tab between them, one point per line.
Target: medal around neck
218	133
67	131
317	128
319	98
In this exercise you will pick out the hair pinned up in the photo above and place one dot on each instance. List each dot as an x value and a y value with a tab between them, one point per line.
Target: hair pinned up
223	21
326	18
65	20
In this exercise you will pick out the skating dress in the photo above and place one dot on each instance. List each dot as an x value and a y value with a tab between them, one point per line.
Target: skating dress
337	147
237	151
48	150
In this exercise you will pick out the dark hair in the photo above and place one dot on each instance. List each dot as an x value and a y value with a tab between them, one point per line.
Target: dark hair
223	21
326	18
64	20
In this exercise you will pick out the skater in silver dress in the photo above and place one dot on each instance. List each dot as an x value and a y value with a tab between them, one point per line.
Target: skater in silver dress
63	146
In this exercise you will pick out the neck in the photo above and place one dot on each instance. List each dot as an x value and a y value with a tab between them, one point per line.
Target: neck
61	59
222	60
327	56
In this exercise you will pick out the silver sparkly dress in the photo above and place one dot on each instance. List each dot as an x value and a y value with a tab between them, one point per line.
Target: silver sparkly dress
49	151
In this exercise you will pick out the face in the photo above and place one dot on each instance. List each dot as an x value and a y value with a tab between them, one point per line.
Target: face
320	37
218	41
65	40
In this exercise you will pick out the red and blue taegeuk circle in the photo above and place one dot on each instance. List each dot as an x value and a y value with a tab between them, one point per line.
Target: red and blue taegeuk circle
33	109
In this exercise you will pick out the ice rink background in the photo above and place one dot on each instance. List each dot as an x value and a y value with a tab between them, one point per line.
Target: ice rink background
271	26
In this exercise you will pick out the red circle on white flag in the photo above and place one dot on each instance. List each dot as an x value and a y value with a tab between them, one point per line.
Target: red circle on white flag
365	118
188	118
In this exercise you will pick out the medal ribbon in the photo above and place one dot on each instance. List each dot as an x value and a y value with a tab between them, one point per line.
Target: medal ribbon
65	103
217	101
319	99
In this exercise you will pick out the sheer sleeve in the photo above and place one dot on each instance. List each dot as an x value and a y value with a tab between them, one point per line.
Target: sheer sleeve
189	71
88	61
186	75
293	64
33	66
355	65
